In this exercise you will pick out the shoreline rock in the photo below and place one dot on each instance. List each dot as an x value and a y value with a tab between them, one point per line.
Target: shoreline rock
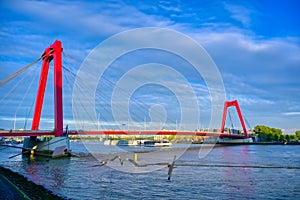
29	188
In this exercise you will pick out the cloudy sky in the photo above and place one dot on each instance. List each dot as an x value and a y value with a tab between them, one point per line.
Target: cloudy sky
255	45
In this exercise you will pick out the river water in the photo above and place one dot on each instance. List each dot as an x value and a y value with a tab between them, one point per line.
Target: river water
226	172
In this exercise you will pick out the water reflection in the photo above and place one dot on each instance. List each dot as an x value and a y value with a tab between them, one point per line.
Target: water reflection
46	171
237	180
211	177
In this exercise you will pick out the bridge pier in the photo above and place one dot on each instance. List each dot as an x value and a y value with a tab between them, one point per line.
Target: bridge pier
48	147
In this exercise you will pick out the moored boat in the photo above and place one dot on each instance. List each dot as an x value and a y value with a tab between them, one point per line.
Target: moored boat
157	143
128	143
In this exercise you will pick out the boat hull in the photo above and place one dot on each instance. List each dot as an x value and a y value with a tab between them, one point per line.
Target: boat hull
154	143
233	141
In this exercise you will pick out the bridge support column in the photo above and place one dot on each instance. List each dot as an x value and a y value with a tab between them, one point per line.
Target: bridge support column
236	105
52	52
41	92
58	99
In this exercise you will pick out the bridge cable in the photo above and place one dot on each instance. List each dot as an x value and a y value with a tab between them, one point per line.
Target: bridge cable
83	89
100	97
80	88
12	93
25	95
248	124
13	88
4	81
105	82
67	79
134	100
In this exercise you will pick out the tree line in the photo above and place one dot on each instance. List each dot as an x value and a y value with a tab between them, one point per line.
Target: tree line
266	133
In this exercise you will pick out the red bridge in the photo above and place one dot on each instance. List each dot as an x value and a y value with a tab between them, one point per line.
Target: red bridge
54	53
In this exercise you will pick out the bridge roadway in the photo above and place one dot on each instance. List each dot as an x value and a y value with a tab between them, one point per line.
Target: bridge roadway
15	133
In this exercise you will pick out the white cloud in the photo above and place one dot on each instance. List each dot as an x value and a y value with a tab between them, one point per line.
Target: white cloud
254	59
239	13
257	71
87	18
170	6
291	113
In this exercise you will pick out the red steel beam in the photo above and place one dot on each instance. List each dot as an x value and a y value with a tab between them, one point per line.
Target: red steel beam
52	52
58	100
25	133
41	91
119	132
236	105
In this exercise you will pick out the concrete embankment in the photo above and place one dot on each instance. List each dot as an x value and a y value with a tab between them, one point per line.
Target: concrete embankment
15	186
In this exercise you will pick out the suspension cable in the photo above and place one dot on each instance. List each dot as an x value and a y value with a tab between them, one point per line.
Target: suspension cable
4	81
12	93
25	95
248	124
99	98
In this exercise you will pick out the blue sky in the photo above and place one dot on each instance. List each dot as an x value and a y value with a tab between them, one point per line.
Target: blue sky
255	45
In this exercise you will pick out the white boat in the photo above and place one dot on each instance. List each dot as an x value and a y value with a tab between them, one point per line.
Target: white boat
128	143
232	141
157	143
107	142
110	142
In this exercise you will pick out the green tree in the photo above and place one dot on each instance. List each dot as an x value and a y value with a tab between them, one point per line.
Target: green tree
270	137
267	133
287	137
261	129
292	137
297	134
281	137
262	136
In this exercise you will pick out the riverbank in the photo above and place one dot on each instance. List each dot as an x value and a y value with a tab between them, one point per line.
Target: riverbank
15	186
258	143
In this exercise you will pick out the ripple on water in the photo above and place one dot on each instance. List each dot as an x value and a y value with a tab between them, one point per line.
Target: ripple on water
79	178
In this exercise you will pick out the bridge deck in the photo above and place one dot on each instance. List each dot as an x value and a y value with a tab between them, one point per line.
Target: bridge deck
15	133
